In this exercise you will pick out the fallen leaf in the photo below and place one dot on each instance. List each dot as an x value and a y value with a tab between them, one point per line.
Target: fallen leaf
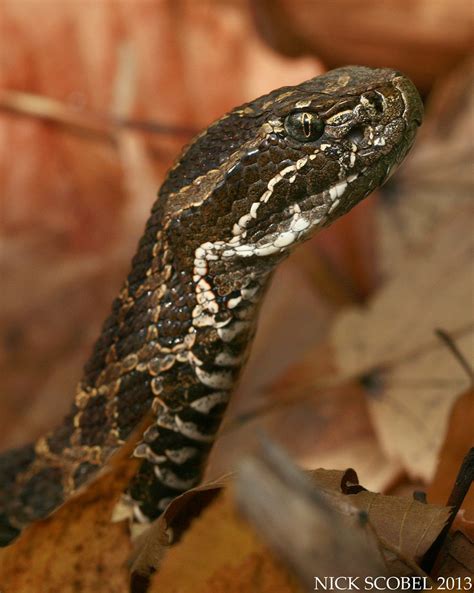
458	560
151	543
336	528
411	377
457	442
408	526
403	528
287	511
218	546
423	195
424	42
78	548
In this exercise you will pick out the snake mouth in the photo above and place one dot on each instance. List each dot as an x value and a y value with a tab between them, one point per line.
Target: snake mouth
301	219
317	210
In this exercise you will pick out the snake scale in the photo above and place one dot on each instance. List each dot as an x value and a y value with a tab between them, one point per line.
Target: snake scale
243	194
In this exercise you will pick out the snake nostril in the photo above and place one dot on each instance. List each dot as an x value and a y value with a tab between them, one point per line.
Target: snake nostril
378	101
356	134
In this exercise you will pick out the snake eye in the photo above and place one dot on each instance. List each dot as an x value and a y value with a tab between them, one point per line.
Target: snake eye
304	126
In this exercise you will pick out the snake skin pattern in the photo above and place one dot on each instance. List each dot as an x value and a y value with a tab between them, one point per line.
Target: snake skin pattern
244	193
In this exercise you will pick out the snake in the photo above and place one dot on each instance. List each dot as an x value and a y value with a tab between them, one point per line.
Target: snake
244	193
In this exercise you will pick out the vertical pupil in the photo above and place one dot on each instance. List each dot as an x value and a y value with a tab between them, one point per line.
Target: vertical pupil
306	125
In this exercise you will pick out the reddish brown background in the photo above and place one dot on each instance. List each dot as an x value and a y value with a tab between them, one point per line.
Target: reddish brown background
75	189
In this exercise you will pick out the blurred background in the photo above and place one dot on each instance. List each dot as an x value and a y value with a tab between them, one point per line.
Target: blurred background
96	100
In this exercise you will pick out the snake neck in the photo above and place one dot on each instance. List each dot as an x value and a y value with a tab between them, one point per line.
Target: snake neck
175	342
196	319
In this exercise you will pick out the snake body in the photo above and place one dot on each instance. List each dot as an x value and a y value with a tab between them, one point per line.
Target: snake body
244	193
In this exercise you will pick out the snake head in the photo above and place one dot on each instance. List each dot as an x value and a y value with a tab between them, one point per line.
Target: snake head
269	174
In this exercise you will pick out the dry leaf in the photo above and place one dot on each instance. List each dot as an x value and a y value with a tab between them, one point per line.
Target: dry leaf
403	528
418	378
151	543
458	561
458	440
409	527
316	532
424	41
337	528
78	548
218	547
424	195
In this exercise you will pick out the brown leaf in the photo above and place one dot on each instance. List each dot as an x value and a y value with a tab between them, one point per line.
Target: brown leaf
457	443
259	571
352	529
415	379
407	526
458	561
220	553
403	528
424	41
423	195
81	546
315	531
78	548
150	545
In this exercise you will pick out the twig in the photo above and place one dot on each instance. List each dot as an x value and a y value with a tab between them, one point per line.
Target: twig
314	535
458	355
51	110
460	489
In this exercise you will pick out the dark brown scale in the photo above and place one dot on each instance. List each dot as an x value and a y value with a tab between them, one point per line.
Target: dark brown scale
17	461
132	341
175	310
181	380
12	465
41	494
146	488
211	150
132	332
60	438
133	399
83	472
97	361
93	421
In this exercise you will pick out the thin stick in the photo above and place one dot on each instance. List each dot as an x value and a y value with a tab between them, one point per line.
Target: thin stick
451	344
460	489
